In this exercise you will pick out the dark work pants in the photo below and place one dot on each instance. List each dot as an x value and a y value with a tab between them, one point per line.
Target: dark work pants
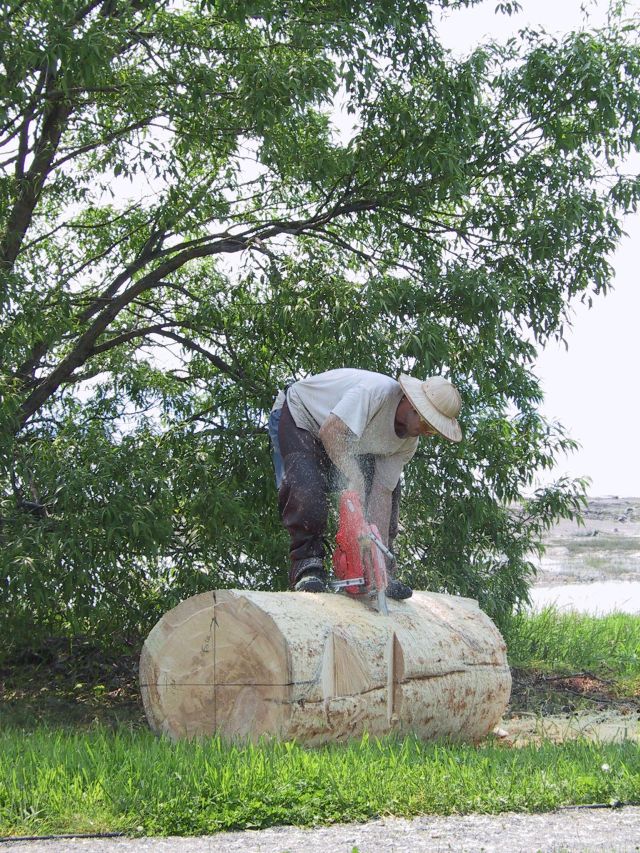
303	496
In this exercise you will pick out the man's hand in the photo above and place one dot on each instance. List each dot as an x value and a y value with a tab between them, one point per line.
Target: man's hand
337	440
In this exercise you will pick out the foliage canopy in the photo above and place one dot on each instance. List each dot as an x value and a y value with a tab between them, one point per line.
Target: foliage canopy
186	221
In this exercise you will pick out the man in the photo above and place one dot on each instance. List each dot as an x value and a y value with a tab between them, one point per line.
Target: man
364	426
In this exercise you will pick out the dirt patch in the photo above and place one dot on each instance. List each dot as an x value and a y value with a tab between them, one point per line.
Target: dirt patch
71	683
599	726
541	693
566	707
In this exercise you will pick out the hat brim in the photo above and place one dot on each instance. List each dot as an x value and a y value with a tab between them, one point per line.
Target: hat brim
447	427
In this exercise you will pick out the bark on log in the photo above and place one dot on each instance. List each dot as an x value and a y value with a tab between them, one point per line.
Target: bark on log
323	667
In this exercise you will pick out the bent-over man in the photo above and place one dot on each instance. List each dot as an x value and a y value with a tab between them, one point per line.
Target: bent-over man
362	425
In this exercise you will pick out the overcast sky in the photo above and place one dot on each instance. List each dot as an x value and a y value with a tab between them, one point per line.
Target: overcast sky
593	387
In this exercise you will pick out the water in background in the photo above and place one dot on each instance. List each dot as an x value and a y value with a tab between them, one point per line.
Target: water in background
596	598
593	567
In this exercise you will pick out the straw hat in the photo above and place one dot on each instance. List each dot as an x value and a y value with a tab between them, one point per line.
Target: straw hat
437	401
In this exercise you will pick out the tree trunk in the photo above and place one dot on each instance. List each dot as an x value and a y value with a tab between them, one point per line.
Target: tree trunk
323	667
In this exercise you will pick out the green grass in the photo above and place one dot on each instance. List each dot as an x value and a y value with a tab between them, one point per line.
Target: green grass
54	781
573	642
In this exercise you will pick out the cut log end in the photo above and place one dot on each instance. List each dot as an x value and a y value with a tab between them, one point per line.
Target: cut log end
323	667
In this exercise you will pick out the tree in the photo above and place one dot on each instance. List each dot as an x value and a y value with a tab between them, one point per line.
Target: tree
183	227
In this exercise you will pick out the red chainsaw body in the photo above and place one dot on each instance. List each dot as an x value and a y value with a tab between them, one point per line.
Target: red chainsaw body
356	554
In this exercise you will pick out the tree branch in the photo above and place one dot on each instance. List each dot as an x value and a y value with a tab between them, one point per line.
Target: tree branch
111	137
214	359
86	342
33	182
130	335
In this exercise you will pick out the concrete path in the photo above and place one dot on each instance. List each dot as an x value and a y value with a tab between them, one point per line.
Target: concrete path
566	831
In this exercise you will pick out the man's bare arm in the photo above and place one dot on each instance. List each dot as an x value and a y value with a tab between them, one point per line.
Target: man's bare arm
337	440
380	508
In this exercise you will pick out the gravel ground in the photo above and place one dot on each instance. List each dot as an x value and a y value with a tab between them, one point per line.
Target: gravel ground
565	831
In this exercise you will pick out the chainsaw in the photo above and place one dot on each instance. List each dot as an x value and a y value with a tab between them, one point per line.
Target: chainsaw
359	557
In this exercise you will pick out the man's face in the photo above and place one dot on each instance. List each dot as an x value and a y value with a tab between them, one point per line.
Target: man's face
416	425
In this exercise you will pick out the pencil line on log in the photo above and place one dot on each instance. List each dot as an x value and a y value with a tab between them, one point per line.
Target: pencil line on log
274	684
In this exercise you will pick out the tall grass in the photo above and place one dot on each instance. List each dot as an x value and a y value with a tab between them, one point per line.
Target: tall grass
134	782
561	642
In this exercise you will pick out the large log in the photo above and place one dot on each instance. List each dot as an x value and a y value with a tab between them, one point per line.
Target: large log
323	667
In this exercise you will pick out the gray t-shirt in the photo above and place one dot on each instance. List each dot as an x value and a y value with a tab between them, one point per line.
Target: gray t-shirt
366	402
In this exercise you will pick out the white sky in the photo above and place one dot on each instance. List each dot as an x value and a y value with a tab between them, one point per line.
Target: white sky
593	387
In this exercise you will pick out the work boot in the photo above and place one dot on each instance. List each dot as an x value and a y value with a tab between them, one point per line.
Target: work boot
308	575
398	590
312	582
